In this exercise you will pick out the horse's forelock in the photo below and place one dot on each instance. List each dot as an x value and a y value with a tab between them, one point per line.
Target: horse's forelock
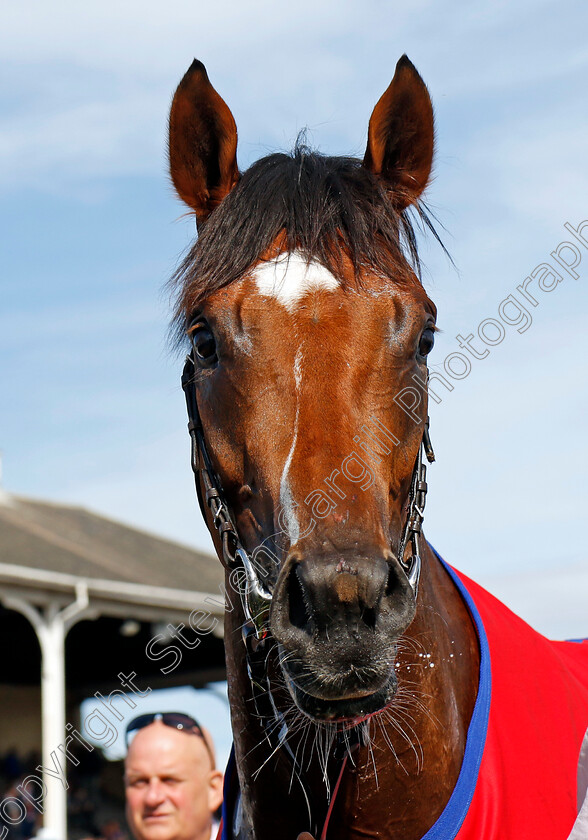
325	207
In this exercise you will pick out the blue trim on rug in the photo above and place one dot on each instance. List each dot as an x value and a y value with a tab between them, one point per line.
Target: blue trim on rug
451	820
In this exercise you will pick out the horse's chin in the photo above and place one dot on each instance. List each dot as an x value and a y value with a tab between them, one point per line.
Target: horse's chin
351	708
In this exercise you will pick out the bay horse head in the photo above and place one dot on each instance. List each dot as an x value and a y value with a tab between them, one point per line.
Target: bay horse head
309	333
306	384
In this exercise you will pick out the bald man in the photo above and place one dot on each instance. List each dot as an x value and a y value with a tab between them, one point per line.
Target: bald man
172	786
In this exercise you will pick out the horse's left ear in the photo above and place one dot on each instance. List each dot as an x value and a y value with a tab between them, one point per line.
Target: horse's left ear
202	143
401	136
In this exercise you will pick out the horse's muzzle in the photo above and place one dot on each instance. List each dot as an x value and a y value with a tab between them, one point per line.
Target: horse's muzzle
336	618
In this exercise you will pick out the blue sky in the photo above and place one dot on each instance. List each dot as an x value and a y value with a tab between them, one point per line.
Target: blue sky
91	410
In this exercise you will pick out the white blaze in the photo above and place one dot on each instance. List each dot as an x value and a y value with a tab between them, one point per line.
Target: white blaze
286	500
288	278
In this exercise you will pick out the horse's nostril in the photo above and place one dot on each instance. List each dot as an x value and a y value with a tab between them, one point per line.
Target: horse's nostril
298	612
392	581
369	617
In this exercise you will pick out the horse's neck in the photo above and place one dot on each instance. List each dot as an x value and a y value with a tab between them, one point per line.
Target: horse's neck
397	785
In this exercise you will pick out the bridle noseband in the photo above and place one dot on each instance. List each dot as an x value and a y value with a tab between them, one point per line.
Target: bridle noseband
256	598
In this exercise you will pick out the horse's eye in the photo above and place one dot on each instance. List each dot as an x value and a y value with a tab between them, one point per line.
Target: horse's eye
204	345
427	341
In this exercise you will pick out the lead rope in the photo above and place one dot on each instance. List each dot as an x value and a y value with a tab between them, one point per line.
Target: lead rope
332	802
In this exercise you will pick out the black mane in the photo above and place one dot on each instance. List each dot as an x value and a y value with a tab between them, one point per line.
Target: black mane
327	207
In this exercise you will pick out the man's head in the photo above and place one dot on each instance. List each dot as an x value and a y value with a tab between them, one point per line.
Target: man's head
172	787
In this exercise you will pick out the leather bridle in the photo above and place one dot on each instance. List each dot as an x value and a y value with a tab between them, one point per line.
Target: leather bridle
256	598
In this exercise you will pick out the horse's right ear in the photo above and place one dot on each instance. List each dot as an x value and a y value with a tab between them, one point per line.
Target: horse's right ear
202	143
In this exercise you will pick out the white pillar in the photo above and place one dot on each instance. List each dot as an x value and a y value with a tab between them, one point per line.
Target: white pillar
51	627
51	633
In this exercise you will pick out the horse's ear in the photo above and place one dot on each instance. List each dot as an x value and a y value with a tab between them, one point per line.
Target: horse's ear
202	143
401	136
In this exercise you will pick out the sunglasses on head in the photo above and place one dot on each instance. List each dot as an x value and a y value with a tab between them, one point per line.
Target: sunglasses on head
175	720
